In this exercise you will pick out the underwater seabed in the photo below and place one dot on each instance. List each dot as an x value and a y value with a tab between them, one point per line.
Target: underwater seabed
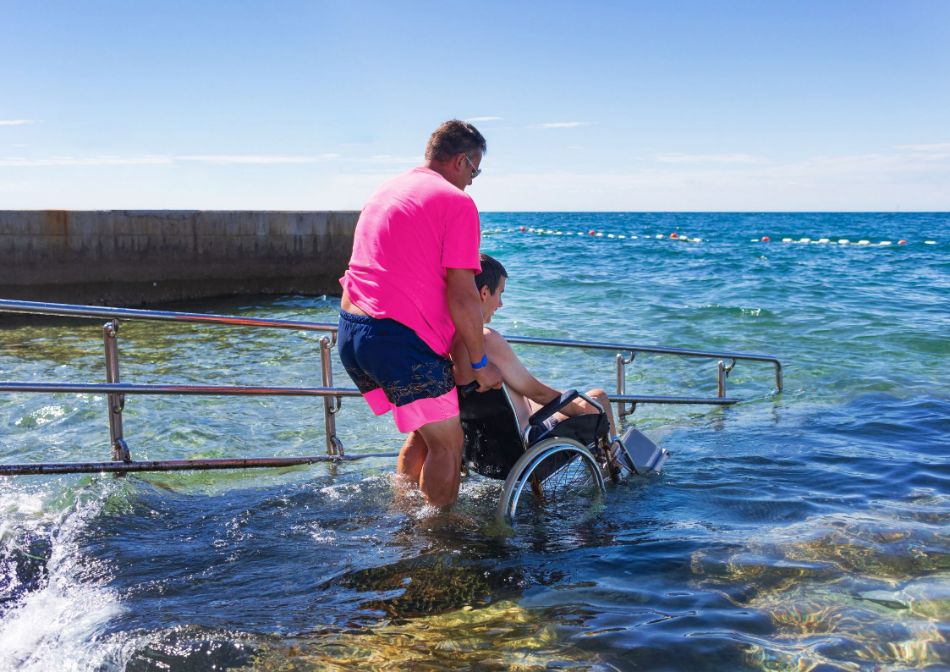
845	590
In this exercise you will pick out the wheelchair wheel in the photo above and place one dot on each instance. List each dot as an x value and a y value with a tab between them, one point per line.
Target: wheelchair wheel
557	479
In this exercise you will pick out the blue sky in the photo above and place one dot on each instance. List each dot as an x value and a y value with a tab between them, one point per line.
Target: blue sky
830	105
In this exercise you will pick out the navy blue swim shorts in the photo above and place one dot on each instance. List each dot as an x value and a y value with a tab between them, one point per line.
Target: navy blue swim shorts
396	370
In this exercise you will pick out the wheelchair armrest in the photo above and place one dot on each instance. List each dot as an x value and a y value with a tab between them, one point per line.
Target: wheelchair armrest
553	407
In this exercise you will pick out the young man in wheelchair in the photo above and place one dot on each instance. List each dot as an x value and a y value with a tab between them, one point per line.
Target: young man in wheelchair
527	393
550	448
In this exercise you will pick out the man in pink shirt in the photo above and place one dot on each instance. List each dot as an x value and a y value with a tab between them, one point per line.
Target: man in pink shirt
409	288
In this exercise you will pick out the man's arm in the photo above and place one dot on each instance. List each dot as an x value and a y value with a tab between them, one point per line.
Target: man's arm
466	310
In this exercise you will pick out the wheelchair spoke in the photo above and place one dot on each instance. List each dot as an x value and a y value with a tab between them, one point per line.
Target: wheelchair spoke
558	480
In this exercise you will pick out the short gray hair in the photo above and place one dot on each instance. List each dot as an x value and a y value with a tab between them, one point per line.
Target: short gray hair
454	137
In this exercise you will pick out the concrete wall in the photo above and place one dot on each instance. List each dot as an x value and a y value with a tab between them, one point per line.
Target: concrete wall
138	257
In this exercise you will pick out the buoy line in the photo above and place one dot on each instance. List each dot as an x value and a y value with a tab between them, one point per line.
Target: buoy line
683	238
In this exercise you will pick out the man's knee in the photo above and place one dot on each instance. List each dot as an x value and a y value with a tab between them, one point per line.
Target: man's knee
443	436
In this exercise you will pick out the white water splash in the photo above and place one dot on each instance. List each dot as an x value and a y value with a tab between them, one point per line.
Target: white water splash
60	626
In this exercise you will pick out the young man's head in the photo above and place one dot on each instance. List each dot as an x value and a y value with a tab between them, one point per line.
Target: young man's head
490	284
455	151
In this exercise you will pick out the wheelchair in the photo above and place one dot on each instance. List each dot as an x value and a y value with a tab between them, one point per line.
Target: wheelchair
550	470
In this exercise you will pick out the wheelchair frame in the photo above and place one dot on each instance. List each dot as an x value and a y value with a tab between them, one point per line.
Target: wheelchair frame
561	469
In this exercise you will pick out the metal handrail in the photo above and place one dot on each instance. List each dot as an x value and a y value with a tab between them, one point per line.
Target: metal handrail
223	390
654	349
116	391
74	310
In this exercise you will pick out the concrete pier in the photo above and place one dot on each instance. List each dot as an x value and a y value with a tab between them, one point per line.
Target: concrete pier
141	257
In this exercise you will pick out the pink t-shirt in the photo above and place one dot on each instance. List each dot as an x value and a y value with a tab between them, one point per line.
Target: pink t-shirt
413	228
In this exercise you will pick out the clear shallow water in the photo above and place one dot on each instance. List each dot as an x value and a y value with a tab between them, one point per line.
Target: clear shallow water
790	532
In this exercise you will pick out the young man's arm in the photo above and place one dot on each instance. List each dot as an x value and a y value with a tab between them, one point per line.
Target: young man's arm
520	380
466	310
515	374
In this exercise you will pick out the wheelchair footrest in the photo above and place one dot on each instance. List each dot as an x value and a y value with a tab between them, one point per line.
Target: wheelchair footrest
647	456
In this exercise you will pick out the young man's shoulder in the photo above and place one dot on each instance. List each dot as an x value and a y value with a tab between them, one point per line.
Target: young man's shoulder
494	341
488	332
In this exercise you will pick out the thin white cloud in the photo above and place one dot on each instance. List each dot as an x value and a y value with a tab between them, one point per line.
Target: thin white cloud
161	159
484	119
16	122
562	124
394	160
874	181
937	151
933	147
707	158
255	159
20	161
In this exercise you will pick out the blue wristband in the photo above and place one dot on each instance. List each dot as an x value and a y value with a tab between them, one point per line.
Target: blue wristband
480	364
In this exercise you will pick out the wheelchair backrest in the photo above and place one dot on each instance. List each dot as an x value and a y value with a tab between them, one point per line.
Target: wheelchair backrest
493	441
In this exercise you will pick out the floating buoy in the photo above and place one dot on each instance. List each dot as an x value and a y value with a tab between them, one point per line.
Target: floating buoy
823	241
766	239
610	235
659	236
884	243
621	236
843	241
901	242
804	240
674	236
591	233
930	242
522	229
787	240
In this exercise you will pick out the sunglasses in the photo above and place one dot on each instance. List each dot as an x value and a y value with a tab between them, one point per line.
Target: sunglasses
475	171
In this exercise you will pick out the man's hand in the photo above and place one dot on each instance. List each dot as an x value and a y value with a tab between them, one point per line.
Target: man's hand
488	377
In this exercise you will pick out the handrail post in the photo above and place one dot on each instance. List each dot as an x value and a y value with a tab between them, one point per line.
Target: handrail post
622	385
115	400
724	372
330	404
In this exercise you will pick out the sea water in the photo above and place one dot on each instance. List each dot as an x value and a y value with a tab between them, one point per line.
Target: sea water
801	530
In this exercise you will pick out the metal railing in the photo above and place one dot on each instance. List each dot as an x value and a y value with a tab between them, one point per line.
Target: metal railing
116	391
626	354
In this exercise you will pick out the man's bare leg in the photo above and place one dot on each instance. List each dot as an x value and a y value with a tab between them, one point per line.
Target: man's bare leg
411	458
439	476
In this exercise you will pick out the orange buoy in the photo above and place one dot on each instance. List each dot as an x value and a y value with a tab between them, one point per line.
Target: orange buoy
591	233
522	229
766	239
901	242
674	236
